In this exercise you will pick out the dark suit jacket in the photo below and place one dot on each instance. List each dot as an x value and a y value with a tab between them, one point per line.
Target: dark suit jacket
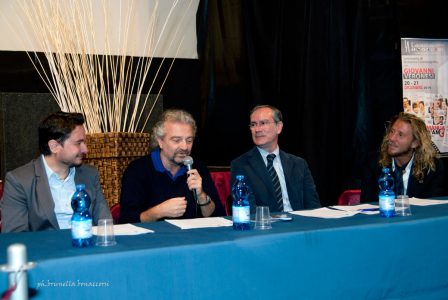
27	202
433	184
299	182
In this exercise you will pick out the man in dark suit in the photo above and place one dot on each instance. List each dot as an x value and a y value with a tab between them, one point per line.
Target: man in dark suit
277	179
37	196
408	152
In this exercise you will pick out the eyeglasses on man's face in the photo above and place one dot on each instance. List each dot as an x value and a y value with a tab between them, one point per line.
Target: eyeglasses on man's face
263	123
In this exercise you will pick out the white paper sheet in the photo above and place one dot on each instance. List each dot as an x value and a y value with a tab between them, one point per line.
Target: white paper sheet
201	222
126	229
325	213
367	209
425	202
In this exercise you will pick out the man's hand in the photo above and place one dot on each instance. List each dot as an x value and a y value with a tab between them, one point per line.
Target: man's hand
194	181
171	208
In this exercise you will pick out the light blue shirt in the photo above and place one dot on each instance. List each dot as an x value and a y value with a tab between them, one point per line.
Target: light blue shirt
277	163
62	191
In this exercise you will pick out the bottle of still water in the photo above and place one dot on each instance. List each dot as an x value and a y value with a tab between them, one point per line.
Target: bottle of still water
387	195
240	206
81	220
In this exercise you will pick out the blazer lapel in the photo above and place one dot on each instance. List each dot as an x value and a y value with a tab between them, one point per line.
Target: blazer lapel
43	194
80	177
259	167
287	167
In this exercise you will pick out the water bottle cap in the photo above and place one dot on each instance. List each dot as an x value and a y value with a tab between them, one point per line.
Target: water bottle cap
386	170
80	186
239	177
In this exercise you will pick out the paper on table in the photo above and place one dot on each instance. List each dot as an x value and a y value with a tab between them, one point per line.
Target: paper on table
126	229
367	209
325	213
425	202
201	222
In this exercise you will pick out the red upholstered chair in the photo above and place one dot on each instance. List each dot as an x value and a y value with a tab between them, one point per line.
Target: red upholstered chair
115	212
350	197
221	178
1	195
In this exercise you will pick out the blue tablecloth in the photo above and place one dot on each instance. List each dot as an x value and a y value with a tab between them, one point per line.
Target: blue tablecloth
361	257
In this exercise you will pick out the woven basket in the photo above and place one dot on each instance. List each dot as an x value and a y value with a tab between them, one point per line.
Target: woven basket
111	153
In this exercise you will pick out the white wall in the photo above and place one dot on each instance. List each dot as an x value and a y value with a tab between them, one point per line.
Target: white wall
109	20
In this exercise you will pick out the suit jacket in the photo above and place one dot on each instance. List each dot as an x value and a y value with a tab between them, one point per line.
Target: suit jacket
28	204
432	185
299	182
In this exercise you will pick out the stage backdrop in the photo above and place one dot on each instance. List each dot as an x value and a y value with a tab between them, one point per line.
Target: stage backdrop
425	85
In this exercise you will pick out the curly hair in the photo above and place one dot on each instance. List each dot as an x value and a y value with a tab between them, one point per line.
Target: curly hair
170	115
424	155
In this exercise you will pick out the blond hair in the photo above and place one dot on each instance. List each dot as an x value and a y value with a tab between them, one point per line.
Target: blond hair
424	154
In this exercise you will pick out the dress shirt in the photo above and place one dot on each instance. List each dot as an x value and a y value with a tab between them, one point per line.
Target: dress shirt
281	175
406	174
62	191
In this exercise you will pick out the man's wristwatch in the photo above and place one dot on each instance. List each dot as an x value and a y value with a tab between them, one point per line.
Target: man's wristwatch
207	202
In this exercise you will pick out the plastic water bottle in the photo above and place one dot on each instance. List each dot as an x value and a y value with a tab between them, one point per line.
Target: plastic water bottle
81	220
387	195
240	206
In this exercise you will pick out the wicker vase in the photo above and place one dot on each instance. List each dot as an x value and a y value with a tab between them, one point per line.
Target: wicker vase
111	153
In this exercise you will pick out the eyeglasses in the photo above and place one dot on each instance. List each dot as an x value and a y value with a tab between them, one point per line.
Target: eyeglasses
254	125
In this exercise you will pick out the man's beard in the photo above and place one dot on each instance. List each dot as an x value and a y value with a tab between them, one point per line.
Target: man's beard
72	163
401	153
176	154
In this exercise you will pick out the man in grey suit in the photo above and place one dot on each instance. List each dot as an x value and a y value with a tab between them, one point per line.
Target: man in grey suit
37	196
277	179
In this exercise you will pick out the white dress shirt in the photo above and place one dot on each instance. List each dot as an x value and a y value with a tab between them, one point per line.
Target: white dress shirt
277	163
406	173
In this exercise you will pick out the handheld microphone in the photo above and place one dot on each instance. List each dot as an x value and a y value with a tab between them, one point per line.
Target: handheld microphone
188	162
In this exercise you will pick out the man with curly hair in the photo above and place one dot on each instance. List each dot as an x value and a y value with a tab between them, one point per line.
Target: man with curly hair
159	186
407	150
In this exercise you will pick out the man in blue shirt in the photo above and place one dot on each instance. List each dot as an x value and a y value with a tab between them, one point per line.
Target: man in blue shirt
37	195
159	186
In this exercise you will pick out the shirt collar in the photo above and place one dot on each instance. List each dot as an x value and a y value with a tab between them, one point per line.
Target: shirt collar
408	166
158	165
51	173
265	153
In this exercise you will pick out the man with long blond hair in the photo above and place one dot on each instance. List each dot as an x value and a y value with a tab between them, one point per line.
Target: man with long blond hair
407	150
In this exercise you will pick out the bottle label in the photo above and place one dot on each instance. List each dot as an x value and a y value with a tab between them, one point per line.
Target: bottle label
82	229
387	203
241	214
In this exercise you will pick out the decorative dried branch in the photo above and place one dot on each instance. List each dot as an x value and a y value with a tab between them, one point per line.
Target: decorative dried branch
99	86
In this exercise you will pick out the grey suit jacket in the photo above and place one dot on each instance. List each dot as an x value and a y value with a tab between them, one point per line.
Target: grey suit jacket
27	202
299	182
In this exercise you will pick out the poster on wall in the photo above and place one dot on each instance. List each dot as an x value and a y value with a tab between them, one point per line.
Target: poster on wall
425	85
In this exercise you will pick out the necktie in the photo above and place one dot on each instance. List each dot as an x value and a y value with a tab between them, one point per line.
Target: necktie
275	182
399	186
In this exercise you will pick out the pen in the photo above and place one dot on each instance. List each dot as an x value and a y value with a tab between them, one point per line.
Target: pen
368	209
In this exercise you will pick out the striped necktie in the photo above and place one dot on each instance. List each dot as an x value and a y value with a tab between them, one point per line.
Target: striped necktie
275	181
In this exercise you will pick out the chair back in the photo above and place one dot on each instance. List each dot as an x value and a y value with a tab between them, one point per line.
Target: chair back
350	197
1	199
221	179
115	212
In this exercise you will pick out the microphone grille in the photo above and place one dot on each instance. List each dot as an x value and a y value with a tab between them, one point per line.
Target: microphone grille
188	160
